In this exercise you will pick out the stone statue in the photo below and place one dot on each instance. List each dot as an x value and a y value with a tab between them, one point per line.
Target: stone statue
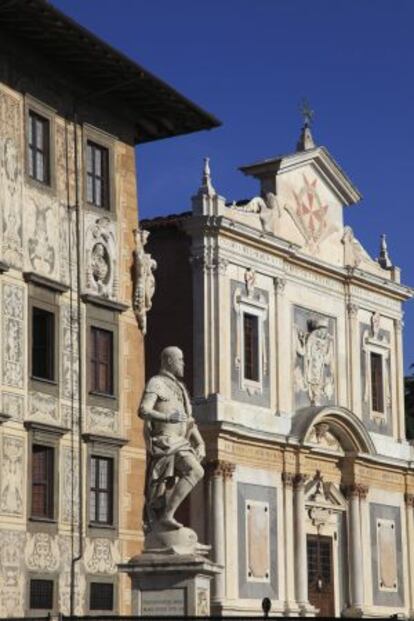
144	288
315	347
267	208
174	444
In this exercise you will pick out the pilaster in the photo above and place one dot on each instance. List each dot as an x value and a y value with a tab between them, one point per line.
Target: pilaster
288	532
355	493
353	365
282	405
409	513
300	556
219	472
399	374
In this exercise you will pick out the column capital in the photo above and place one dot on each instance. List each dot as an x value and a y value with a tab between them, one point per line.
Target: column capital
355	490
220	468
288	478
299	481
207	261
280	284
399	325
409	499
352	309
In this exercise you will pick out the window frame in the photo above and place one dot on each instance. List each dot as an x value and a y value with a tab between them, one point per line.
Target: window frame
48	482
93	176
381	392
95	361
48	348
95	584
34	150
104	579
248	308
106	320
47	113
94	487
41	576
105	141
45	435
254	376
46	300
104	447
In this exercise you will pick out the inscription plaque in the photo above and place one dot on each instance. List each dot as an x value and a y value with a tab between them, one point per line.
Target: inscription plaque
163	603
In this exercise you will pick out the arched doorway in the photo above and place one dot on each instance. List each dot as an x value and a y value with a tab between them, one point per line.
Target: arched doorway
331	438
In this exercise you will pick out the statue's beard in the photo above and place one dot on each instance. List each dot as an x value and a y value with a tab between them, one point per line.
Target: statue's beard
176	371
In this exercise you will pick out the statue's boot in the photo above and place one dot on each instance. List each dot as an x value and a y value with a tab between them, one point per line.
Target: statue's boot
181	491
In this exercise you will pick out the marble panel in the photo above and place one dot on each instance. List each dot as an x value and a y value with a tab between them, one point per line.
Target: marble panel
387	556
260	497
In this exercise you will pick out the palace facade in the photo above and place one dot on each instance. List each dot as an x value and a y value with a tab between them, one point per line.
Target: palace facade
292	335
72	454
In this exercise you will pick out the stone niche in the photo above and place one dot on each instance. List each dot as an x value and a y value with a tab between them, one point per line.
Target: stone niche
100	249
314	337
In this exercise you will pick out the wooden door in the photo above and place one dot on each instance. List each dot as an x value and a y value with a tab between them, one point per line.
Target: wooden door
320	575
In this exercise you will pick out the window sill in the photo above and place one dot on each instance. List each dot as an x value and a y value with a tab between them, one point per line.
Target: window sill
100	207
102	395
43	520
43	186
43	380
101	526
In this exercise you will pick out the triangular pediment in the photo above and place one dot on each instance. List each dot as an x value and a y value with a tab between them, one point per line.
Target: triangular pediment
319	493
320	160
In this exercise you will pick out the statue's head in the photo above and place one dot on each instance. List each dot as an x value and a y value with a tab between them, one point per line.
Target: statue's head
172	360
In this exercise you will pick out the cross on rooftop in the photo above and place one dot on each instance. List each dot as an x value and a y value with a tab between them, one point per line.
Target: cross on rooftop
306	112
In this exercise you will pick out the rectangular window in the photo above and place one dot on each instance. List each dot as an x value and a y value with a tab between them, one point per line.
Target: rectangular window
39	148
377	386
41	594
102	361
97	175
101	596
43	345
251	347
42	481
101	490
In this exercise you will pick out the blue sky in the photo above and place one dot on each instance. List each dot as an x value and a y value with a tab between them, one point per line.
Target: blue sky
250	62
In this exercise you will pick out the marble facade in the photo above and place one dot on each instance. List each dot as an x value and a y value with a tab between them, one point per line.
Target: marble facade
308	498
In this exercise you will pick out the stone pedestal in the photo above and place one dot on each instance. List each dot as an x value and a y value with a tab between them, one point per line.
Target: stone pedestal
170	584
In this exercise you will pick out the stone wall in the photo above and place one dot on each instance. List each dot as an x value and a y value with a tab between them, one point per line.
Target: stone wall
38	245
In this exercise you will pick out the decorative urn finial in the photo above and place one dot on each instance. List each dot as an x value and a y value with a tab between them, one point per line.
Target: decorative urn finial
384	258
206	187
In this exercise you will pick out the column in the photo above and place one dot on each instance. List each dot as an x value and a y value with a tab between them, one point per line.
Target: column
288	479
301	560
219	471
409	509
281	406
354	493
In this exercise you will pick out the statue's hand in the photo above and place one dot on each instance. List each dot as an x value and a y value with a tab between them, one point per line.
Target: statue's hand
177	417
200	452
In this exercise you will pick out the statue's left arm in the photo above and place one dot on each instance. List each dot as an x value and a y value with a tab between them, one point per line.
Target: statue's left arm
194	436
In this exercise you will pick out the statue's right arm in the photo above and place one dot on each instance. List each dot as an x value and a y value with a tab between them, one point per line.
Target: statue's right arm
146	410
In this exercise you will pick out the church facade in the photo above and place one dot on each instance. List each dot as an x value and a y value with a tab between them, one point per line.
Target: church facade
75	285
292	336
